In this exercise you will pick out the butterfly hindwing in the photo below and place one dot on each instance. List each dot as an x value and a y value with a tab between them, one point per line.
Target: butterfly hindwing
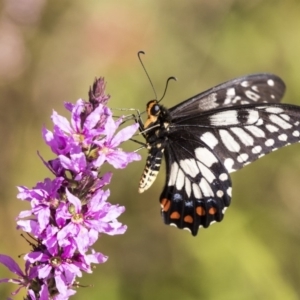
198	187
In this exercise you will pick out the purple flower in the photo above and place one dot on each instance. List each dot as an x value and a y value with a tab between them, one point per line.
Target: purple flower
57	265
43	197
68	213
84	222
108	146
76	162
24	280
59	142
78	131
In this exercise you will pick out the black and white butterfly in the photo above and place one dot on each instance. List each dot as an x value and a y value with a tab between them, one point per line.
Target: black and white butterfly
210	135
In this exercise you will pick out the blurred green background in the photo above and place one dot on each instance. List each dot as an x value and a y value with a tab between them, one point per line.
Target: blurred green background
50	52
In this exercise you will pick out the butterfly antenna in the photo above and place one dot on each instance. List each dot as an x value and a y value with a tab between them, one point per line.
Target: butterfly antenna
167	83
139	56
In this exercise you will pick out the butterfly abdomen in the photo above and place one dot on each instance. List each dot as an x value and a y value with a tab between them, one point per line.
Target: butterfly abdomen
151	169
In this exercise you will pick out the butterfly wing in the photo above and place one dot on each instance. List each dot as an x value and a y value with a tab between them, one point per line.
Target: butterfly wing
203	148
250	89
198	186
240	135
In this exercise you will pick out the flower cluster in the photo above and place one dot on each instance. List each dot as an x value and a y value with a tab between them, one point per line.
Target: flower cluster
70	211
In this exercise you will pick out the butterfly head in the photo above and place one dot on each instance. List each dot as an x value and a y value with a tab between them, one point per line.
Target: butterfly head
156	114
153	111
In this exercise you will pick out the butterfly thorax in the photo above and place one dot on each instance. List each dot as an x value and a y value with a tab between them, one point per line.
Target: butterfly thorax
155	130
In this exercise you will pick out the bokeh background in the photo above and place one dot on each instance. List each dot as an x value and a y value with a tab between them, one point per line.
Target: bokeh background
50	52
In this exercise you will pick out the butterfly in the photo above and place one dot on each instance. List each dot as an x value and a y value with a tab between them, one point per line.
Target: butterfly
210	135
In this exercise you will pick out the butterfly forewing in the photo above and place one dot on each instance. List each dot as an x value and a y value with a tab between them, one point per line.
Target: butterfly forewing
239	135
256	88
210	135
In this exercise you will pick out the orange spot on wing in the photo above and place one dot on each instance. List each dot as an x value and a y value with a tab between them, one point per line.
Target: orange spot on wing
165	204
200	211
188	219
212	211
175	215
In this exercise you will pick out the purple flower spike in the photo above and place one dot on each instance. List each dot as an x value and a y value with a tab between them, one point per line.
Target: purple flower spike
67	214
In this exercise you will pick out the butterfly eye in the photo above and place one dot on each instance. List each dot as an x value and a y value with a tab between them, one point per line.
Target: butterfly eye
155	110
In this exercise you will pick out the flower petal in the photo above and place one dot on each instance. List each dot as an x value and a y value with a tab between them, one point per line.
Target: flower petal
124	135
11	264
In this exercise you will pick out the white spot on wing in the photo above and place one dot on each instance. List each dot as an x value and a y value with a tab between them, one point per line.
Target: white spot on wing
206	188
251	95
209	139
173	172
255	131
285	117
296	133
242	157
208	102
253	116
228	117
244	137
197	191
220	193
180	180
229	191
205	156
236	99
230	99
206	172
245	102
269	142
223	176
284	125
245	83
282	137
270	82
259	122
274	110
189	167
272	128
188	187
230	143
256	149
230	92
228	163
